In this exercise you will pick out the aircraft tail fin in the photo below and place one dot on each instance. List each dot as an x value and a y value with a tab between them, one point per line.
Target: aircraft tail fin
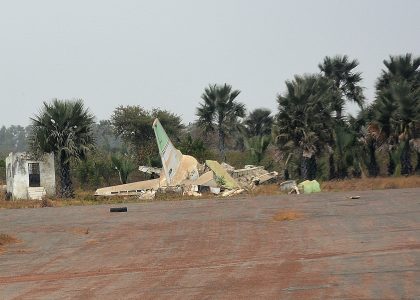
170	156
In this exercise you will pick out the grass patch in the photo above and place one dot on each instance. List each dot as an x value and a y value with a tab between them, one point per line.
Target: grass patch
84	198
377	183
87	198
287	216
266	190
5	204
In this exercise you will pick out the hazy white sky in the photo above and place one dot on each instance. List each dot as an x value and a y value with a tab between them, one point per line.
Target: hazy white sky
163	53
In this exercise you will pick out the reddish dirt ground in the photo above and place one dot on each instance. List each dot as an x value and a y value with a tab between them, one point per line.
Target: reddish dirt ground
334	248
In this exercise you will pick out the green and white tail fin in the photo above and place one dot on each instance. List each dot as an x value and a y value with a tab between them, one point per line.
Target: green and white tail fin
170	156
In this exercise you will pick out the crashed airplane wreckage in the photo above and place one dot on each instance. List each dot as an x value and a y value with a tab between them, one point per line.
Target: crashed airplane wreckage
183	174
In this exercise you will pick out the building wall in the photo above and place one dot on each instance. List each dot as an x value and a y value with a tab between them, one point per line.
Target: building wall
17	174
9	172
47	171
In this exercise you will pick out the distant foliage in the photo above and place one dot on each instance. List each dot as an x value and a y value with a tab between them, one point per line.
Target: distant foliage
195	148
134	125
13	139
105	138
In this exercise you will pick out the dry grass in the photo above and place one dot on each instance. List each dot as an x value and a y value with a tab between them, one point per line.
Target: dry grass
371	184
287	216
84	198
87	197
265	190
19	204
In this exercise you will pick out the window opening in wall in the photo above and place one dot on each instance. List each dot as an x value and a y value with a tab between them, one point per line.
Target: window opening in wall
34	175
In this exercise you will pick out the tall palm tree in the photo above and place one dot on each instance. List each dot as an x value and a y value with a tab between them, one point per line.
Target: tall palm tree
63	127
405	119
397	99
303	123
220	111
340	70
368	138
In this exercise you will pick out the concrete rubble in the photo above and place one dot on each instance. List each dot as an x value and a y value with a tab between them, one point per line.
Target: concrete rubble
289	186
184	175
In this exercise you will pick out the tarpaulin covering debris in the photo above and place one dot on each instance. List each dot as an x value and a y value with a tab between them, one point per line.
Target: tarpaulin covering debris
309	186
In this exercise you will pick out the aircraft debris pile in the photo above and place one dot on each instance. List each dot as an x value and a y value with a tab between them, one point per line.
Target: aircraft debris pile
183	174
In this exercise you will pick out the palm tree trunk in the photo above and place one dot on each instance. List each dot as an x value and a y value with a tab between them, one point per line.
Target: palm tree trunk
391	164
418	162
373	167
304	166
222	144
286	174
341	166
331	163
406	167
312	168
308	168
66	185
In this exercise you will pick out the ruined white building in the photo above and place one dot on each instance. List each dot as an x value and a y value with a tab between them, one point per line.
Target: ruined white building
29	178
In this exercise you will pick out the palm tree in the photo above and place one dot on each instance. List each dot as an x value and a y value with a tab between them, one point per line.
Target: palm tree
259	122
397	100
63	127
256	133
340	70
404	119
304	119
385	108
347	87
220	111
400	67
368	138
257	145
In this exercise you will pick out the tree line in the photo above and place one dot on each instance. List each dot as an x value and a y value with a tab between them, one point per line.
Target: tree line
310	136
